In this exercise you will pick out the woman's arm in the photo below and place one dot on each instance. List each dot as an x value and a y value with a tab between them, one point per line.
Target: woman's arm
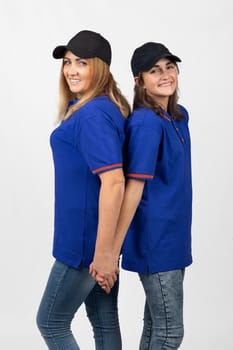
110	201
132	197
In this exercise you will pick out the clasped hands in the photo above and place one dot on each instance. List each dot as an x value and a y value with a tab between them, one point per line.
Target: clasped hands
104	269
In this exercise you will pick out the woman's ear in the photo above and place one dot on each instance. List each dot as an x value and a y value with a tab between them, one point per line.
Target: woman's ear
136	80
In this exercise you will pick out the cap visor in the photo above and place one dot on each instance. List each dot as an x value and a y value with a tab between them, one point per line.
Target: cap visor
174	58
153	61
59	51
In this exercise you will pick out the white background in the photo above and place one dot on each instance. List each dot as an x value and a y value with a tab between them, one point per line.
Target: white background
200	32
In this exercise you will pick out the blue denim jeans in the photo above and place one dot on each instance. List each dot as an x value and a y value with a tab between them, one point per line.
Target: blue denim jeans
66	290
163	314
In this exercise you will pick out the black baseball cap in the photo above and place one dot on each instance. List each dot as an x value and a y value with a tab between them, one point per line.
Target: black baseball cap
145	57
86	44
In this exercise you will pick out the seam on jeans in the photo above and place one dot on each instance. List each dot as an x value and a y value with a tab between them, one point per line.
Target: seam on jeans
97	313
165	309
148	334
52	304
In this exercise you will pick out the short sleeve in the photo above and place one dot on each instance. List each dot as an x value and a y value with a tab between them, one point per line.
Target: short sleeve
184	112
100	145
142	151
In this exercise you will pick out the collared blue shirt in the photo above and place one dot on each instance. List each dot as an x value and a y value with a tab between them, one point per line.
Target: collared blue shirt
86	144
158	151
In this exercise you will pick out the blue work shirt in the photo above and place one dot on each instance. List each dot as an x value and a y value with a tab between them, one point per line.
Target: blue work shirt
86	144
158	151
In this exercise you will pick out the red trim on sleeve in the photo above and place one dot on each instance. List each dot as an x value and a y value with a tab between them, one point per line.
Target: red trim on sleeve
107	167
141	176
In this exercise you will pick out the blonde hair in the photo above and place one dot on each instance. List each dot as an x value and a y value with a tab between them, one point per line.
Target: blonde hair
102	83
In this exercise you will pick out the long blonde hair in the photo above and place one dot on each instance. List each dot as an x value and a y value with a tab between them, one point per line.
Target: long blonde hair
102	83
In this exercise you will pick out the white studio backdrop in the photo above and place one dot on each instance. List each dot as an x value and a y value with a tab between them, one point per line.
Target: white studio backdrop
200	32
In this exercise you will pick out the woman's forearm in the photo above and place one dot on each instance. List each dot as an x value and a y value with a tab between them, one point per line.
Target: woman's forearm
115	216
132	197
110	201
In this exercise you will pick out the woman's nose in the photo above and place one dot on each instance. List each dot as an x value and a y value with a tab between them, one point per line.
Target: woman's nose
164	74
72	70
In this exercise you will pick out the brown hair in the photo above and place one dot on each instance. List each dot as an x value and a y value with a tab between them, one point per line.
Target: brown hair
102	83
142	99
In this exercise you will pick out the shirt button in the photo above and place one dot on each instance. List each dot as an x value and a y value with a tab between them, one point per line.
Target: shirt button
177	129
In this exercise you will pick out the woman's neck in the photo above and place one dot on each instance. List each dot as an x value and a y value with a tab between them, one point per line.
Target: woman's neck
163	106
162	102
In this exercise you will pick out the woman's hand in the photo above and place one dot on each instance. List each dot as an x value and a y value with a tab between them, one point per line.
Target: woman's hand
104	269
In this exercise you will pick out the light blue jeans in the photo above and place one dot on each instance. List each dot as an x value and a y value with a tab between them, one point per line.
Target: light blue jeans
163	314
66	290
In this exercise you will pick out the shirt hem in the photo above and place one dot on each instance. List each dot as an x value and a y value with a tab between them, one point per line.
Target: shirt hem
106	168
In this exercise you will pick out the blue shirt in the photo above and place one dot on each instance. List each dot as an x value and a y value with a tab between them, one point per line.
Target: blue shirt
86	144
158	151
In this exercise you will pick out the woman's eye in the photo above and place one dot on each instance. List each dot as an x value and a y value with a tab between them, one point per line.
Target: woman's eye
66	62
171	66
155	71
82	63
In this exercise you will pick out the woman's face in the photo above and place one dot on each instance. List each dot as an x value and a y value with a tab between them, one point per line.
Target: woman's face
161	81
77	72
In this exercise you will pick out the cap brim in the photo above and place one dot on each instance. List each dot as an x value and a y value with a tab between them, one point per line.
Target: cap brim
153	61
170	56
59	51
173	58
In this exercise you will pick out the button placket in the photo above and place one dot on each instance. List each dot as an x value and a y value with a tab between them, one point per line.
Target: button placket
177	131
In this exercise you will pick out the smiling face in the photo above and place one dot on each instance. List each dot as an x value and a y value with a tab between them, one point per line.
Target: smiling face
78	73
160	82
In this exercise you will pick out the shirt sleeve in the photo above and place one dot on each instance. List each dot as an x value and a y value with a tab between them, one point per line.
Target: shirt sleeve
142	151
185	112
100	145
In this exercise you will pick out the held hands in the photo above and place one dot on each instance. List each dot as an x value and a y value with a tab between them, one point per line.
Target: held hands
104	269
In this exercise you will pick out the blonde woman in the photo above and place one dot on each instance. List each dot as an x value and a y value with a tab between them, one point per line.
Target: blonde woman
89	187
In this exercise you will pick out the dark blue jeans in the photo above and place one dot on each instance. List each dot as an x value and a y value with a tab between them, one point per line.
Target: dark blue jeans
163	314
66	290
